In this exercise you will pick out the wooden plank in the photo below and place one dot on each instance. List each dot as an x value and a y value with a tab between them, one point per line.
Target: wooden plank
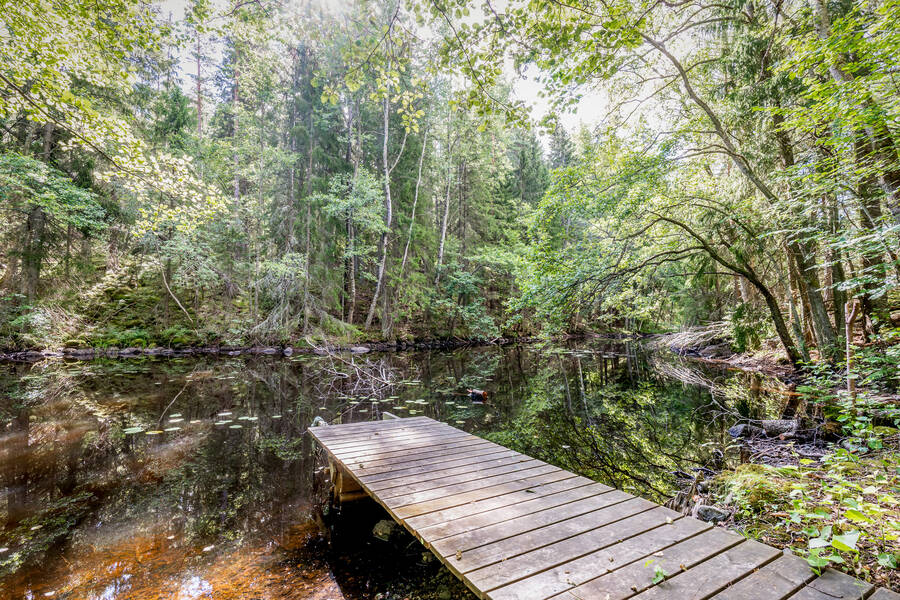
508	465
563	549
637	576
403	436
501	514
778	579
713	575
429	460
378	429
359	461
627	515
478	506
429	468
834	585
515	528
421	508
404	449
532	467
568	575
335	431
528	522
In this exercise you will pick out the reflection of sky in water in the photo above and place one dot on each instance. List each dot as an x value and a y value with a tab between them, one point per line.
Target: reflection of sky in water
112	591
195	587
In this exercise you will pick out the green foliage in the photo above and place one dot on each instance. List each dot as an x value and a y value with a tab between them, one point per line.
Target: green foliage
748	326
27	184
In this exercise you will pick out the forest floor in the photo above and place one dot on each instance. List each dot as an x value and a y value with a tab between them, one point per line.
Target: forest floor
830	493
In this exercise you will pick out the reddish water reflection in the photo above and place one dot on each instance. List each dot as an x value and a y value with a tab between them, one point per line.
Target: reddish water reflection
143	479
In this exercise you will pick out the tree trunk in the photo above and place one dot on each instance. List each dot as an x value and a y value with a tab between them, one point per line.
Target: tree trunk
412	217
388	211
444	220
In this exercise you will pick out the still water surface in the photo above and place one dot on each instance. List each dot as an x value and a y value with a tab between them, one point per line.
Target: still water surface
193	478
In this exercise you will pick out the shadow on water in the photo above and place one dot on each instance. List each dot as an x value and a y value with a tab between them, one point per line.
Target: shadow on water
194	478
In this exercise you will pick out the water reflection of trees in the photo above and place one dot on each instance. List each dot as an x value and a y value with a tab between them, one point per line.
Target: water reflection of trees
607	417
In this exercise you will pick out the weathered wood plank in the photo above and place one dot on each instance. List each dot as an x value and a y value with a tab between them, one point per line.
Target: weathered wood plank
405	455
834	585
559	552
421	508
478	506
778	579
578	571
336	431
503	513
451	467
401	426
404	449
638	575
428	460
713	575
516	528
399	437
527	469
507	466
528	522
606	526
446	475
374	467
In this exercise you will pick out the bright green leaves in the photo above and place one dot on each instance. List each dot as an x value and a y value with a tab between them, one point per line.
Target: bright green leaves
26	184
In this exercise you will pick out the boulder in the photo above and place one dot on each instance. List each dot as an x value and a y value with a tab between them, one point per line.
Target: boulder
359	349
385	529
711	514
768	427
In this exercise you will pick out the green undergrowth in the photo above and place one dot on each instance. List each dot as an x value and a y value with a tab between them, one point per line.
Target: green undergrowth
842	510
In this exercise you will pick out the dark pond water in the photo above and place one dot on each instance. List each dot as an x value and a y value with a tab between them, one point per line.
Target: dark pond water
194	479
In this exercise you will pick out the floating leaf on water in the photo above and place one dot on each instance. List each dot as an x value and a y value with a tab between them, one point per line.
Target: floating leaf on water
363	410
195	421
222	422
224	414
131	430
276	416
208	548
244	418
253	418
460	421
179	420
414	412
154	432
172	429
323	408
36	527
354	402
235	426
175	415
400	407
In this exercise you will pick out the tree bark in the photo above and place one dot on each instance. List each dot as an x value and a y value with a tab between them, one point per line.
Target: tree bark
388	209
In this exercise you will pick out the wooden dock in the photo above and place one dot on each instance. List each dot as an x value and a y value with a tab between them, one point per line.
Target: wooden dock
515	528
